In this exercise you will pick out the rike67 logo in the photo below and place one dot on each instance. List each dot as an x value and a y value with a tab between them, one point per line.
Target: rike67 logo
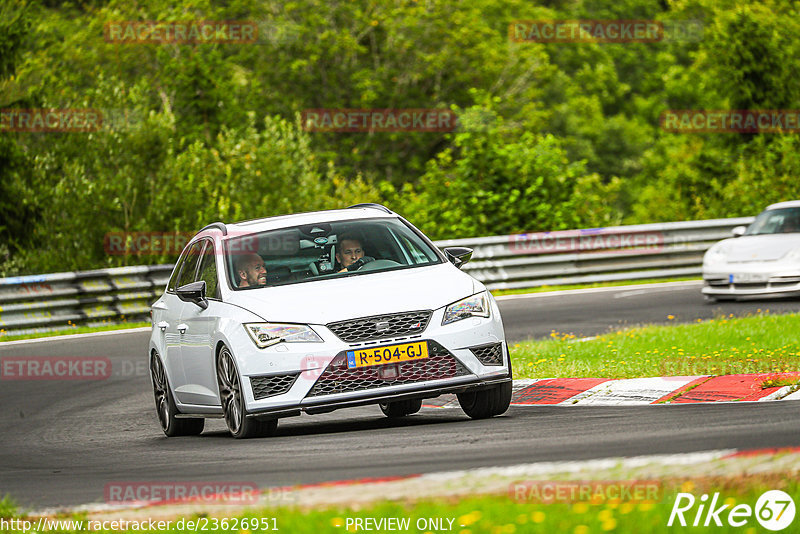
774	510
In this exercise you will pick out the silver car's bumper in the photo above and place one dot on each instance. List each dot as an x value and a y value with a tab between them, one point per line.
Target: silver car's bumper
751	280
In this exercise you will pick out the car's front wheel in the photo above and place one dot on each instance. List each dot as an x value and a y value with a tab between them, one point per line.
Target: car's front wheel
165	405
232	399
486	402
401	408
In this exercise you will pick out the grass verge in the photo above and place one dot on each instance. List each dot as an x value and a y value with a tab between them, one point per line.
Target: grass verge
74	329
545	289
515	511
725	345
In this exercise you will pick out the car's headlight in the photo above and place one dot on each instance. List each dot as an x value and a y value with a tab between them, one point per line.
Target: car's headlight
474	306
716	254
266	334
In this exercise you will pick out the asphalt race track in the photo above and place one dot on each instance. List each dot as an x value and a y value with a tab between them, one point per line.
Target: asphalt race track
63	441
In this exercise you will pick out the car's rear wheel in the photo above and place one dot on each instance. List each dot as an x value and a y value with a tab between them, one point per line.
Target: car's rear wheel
232	399
165	405
486	402
401	408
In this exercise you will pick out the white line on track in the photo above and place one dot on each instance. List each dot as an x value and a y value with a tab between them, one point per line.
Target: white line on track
75	336
662	285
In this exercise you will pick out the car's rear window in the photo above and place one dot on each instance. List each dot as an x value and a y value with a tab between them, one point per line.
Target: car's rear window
320	251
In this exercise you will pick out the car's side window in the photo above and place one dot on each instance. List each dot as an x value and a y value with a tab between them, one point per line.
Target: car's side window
173	280
208	272
189	267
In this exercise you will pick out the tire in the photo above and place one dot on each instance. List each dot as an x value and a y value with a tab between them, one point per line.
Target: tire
486	403
231	397
165	404
401	408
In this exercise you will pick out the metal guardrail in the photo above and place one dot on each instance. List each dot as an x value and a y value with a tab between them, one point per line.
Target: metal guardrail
40	303
661	250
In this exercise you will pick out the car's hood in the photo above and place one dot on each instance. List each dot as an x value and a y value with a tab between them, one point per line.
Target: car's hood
767	247
324	301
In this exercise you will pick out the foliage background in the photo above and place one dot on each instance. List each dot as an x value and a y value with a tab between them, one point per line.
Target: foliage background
552	136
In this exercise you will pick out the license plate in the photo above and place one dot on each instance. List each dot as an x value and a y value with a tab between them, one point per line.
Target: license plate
744	278
387	354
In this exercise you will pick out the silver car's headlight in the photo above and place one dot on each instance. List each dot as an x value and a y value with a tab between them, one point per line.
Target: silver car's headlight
716	254
475	306
266	334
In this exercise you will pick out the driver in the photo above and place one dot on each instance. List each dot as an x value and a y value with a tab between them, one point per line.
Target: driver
791	225
349	251
250	270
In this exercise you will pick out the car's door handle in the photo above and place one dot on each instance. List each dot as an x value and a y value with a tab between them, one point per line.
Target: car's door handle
182	328
163	325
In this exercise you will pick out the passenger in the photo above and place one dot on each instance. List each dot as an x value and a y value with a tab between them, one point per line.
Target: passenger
250	270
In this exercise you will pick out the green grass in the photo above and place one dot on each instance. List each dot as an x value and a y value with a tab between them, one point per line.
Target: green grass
725	345
501	514
545	289
74	329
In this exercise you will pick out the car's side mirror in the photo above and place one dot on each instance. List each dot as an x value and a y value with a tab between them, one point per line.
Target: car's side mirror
458	256
738	231
194	293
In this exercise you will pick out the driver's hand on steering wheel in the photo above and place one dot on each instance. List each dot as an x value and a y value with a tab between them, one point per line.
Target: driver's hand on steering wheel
359	263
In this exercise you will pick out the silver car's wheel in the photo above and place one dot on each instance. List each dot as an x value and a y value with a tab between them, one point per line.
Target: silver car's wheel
165	405
232	400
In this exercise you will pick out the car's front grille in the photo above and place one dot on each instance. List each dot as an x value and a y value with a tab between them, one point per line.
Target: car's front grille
381	326
489	354
269	386
338	378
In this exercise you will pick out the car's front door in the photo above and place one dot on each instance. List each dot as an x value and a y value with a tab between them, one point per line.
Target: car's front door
197	350
170	321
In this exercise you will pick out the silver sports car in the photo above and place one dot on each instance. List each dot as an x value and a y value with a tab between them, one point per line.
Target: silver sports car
760	260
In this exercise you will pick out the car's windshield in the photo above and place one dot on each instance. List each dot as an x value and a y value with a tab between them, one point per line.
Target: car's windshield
778	221
325	250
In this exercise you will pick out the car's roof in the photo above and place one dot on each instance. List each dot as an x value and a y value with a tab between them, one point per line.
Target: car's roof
313	217
786	204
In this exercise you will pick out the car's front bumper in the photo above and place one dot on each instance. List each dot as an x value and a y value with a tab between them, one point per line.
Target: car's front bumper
350	400
310	380
751	280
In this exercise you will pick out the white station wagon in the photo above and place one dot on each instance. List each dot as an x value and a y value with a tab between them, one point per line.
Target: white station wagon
318	311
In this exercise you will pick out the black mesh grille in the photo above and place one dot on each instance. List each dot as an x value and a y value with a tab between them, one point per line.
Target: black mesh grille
489	354
269	386
337	378
381	326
